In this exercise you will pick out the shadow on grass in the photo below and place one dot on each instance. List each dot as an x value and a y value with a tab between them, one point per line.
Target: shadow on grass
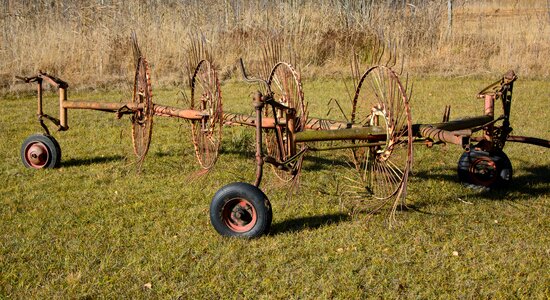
89	161
304	223
244	153
534	181
312	162
317	163
162	153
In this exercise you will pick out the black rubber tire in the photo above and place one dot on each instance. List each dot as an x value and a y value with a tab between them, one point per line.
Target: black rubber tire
243	193
52	157
481	168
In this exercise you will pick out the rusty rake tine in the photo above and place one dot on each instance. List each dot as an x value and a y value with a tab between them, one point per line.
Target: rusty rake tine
402	59
393	176
374	88
382	51
409	98
347	87
378	81
391	100
340	108
399	107
395	183
386	88
381	177
135	47
389	180
374	53
406	84
386	177
395	54
395	167
354	66
389	55
263	67
381	87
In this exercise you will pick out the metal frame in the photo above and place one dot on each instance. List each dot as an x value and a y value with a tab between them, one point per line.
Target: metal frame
376	135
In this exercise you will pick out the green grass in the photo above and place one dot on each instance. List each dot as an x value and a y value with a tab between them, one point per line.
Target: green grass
97	228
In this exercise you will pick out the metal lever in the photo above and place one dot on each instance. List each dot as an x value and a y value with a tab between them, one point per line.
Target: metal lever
249	79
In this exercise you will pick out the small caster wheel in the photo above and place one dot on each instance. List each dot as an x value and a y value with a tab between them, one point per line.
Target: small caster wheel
485	169
240	210
40	151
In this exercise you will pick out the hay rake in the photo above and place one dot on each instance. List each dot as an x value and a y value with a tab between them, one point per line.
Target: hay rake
379	132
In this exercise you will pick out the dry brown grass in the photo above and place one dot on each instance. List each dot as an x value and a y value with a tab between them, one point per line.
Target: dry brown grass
87	42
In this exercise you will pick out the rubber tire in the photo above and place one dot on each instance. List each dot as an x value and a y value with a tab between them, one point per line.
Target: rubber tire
54	159
503	168
254	196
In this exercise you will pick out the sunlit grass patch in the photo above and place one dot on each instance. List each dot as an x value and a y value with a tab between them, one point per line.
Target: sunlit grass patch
96	227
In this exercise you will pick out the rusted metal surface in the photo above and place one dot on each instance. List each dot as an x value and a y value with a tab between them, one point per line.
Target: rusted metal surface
142	120
102	106
529	140
372	133
284	102
522	139
62	110
269	122
324	124
499	86
188	114
461	123
247	120
258	106
442	135
37	155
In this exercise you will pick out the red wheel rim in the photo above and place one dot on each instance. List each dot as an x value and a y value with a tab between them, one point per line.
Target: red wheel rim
239	215
37	155
483	171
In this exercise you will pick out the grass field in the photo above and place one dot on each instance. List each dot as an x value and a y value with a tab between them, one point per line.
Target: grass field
97	228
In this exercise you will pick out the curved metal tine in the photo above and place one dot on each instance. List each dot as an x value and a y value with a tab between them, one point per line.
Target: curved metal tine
402	59
374	53
339	107
350	97
250	79
410	92
406	86
355	71
394	62
135	47
381	51
389	60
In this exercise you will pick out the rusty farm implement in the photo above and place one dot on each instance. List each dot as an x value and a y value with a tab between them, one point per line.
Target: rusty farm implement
379	134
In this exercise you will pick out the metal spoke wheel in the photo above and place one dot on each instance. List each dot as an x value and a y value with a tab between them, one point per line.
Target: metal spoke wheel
40	151
286	85
142	120
206	96
381	100
240	210
481	168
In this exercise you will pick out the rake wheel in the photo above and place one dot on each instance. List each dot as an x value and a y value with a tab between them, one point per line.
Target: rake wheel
206	96
381	100
485	169
286	86
142	120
